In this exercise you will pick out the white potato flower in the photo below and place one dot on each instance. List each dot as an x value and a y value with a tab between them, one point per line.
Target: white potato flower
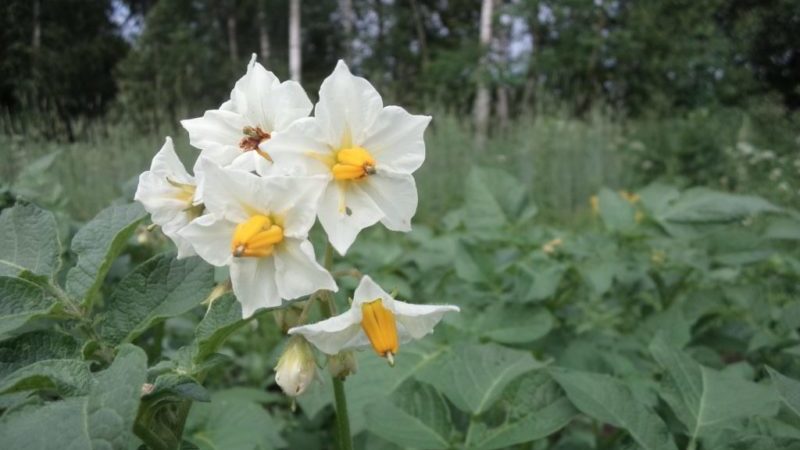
258	226
374	319
260	106
367	151
169	194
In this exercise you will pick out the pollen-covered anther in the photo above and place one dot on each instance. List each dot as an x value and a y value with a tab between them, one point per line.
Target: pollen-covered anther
352	164
380	327
253	137
256	237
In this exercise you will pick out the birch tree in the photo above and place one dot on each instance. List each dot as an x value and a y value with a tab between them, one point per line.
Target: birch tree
295	61
480	109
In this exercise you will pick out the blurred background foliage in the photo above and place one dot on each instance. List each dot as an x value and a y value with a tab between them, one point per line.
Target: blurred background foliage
582	93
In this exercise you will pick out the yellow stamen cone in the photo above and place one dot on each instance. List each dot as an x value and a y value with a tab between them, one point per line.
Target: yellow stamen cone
256	237
380	327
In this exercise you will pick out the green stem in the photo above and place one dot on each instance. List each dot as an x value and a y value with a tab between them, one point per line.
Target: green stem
342	418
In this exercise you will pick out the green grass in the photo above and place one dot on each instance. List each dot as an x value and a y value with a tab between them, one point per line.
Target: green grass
561	160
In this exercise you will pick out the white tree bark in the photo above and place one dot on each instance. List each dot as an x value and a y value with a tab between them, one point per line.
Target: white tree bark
263	34
480	109
348	21
295	62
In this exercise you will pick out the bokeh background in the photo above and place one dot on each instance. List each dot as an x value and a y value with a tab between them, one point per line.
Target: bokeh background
567	95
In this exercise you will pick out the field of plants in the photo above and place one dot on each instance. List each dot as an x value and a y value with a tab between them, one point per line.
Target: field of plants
386	225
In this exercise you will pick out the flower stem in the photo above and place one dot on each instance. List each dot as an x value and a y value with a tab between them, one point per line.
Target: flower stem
342	418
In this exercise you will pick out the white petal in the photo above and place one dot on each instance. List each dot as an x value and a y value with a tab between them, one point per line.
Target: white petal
167	164
297	200
253	281
252	161
286	103
335	334
300	148
217	133
368	291
297	272
161	199
396	139
419	320
172	230
339	199
234	194
250	95
395	195
347	108
211	238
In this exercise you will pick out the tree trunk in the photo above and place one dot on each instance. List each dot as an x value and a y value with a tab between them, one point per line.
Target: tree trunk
295	62
36	39
348	21
263	35
480	109
420	28
233	45
503	39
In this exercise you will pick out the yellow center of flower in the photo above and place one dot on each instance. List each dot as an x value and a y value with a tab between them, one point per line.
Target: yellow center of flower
353	163
380	327
256	237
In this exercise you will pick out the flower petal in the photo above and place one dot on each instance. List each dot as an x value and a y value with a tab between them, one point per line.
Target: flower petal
344	211
297	200
250	94
419	320
253	281
252	162
234	194
286	103
211	238
172	229
368	291
395	195
348	106
217	134
297	271
167	164
301	148
335	334
396	139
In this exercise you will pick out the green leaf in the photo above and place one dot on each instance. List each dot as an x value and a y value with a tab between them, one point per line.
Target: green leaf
223	317
67	377
28	241
514	323
102	420
616	212
415	416
22	301
231	422
160	288
702	205
493	198
703	398
179	385
611	401
474	376
788	390
30	348
532	407
97	245
373	381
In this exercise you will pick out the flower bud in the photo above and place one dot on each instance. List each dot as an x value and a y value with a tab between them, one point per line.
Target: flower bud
296	367
342	364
